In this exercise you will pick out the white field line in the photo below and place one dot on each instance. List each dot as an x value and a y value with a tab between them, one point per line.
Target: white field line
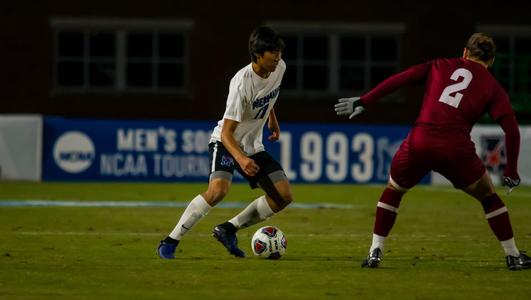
516	193
181	204
310	235
87	233
502	192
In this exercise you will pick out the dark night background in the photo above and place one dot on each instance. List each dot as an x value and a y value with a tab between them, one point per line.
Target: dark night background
43	73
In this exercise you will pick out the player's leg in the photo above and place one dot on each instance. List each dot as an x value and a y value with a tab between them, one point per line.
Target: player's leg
469	174
499	221
406	171
193	213
272	179
277	196
278	190
226	234
200	206
386	213
222	167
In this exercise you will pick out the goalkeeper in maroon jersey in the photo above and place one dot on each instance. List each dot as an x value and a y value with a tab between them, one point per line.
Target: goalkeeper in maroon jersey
458	91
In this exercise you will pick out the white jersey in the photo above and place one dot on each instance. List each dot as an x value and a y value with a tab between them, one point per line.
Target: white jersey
250	100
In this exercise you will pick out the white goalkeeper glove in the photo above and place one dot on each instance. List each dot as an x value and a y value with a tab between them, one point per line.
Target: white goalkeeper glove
511	183
349	106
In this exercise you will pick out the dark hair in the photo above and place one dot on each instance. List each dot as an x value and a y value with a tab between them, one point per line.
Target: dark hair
264	39
481	46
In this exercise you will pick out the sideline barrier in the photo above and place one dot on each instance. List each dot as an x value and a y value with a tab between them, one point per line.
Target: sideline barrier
20	147
177	151
112	150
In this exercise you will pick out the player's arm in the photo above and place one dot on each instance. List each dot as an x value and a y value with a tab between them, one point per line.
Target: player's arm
412	75
501	111
356	105
233	115
229	142
512	149
272	124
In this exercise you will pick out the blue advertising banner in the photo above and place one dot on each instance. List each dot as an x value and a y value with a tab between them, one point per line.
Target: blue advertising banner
337	153
170	151
116	150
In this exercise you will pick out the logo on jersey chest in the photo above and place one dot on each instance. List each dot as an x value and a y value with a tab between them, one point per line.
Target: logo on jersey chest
262	101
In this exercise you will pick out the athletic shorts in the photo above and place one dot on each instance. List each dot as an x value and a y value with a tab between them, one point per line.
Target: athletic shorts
222	165
423	151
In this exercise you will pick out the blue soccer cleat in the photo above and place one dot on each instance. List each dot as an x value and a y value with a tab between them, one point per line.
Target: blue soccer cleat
229	240
166	250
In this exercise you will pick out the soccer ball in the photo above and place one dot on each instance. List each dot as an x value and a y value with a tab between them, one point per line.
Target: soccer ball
269	242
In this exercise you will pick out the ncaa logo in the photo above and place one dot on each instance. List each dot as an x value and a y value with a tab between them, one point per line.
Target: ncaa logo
74	152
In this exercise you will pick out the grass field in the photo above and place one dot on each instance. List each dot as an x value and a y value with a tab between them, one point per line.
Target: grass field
440	248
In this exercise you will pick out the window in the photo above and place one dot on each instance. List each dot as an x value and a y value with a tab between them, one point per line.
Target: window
366	60
338	58
85	59
118	56
512	67
154	60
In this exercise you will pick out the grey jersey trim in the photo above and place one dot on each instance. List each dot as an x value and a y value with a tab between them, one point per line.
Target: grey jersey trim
277	176
222	175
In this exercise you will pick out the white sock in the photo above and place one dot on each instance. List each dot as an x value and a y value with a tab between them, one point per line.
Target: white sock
195	211
509	246
257	211
378	241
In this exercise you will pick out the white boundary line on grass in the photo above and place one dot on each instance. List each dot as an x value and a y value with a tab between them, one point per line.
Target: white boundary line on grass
323	235
90	233
179	204
515	193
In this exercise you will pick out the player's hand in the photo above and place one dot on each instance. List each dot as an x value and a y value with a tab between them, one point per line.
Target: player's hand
511	181
275	134
349	106
274	128
248	166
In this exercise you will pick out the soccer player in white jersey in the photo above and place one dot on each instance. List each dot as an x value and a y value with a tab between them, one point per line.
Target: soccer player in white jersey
236	143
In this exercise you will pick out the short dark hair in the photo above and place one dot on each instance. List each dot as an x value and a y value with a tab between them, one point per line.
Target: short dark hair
481	46
264	39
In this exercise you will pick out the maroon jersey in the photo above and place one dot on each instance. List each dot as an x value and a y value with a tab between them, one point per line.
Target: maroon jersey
458	92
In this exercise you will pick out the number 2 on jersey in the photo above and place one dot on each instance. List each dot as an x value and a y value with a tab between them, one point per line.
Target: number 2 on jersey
446	96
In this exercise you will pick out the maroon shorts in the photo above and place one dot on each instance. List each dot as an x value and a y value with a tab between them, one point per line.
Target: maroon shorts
453	156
